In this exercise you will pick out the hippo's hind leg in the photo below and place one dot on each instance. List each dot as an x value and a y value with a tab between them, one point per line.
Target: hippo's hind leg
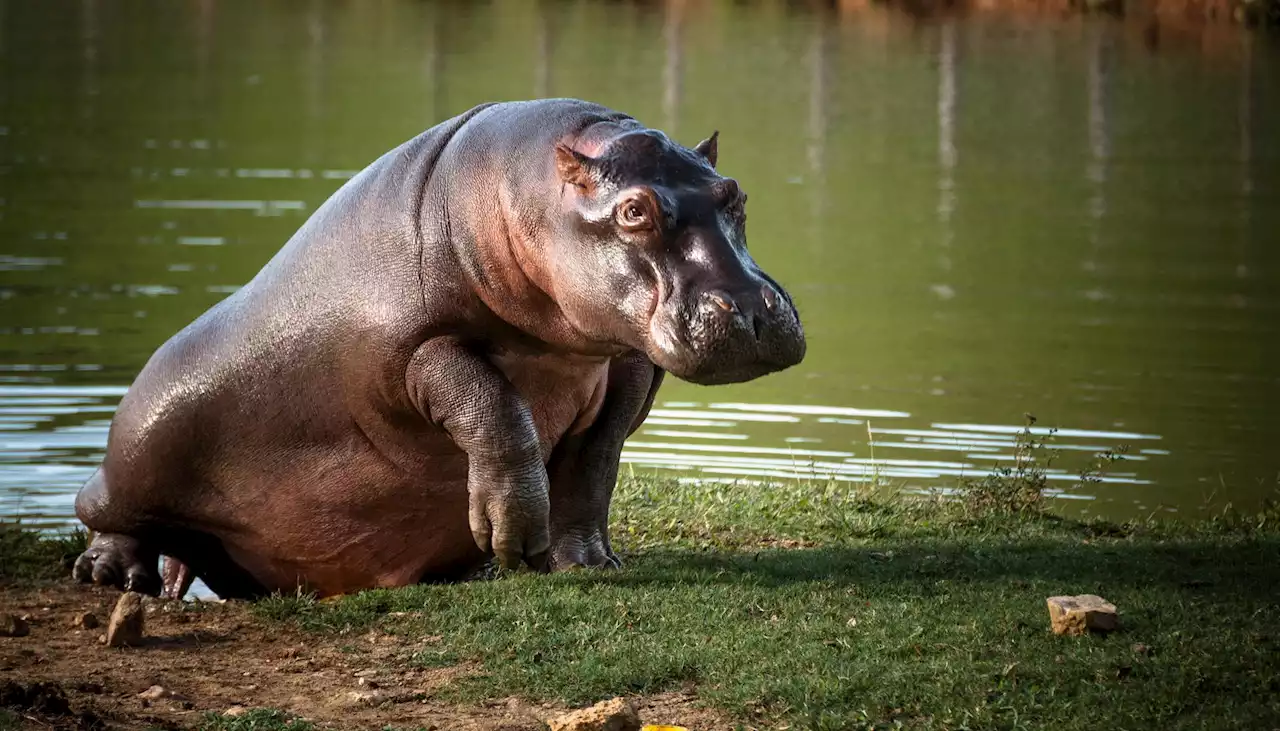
177	578
115	559
119	554
190	554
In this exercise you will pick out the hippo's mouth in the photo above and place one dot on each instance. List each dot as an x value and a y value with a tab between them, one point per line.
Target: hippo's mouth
709	350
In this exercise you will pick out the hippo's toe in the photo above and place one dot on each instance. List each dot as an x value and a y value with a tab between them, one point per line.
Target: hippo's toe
120	561
573	551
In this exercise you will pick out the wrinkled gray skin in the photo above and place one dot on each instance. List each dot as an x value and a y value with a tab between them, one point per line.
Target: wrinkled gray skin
442	364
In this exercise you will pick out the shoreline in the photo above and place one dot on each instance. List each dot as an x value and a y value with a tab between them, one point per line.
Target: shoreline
815	607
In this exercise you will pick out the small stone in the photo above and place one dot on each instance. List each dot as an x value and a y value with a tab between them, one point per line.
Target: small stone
235	711
362	698
12	625
364	682
127	621
157	692
85	620
616	714
1078	615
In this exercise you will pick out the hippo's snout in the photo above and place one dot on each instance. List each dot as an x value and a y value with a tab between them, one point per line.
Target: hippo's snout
738	334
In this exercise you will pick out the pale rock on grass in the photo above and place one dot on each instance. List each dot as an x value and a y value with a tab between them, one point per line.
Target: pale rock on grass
615	714
1078	615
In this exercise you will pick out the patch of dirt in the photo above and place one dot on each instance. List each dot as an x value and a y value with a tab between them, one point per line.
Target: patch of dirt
211	656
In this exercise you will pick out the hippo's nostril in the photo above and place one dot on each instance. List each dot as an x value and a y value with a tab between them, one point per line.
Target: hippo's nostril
722	301
770	297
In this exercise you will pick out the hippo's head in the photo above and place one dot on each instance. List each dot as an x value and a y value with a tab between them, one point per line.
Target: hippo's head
651	245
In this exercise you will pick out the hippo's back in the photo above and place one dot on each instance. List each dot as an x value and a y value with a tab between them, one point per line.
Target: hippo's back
269	375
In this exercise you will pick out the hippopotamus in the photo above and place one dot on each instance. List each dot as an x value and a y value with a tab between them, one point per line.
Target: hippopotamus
440	366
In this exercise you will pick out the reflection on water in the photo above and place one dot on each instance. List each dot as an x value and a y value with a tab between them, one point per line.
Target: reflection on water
885	455
978	217
51	440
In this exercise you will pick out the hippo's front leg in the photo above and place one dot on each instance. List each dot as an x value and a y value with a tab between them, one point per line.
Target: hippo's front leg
468	397
584	467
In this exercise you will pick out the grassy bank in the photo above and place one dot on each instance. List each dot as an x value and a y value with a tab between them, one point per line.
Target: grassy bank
819	607
824	610
29	555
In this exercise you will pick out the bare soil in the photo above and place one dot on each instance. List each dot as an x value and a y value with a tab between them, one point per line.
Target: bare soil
216	655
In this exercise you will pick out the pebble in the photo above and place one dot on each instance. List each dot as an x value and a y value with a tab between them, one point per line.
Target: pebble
158	692
362	697
128	621
85	620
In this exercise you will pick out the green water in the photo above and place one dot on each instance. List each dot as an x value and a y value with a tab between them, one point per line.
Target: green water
978	218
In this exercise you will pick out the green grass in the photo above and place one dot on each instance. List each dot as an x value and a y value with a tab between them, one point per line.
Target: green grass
28	555
257	719
895	613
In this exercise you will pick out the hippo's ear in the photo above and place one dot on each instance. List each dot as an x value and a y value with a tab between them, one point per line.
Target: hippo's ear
707	147
574	167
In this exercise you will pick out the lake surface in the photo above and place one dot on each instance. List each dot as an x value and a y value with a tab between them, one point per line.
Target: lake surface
979	218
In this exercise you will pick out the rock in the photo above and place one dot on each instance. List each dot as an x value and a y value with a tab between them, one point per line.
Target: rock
364	697
127	621
616	714
158	692
365	682
1078	615
235	711
357	698
85	620
11	625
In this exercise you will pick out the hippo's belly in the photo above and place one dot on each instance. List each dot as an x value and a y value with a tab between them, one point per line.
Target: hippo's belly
345	521
378	504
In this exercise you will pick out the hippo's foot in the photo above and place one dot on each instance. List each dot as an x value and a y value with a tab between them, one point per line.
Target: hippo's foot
113	559
577	548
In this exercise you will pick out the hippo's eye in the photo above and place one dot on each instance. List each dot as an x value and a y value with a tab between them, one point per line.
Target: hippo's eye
632	215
